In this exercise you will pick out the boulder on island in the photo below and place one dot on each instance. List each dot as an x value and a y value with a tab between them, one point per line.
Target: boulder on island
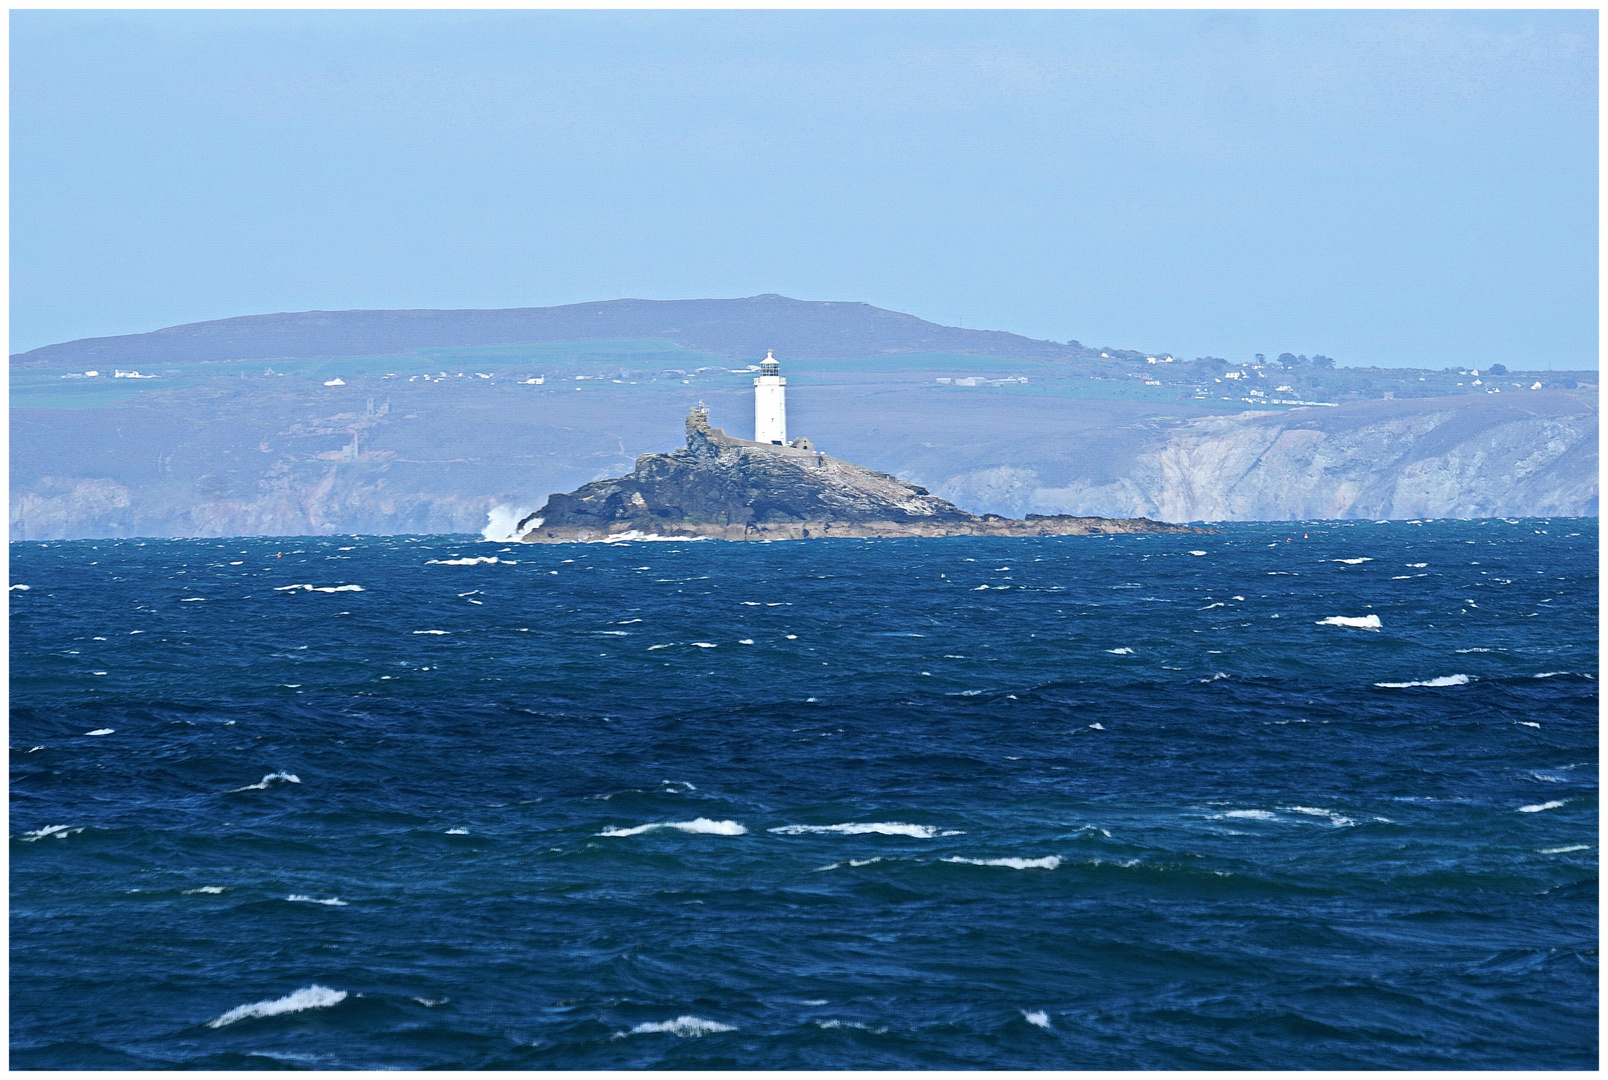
734	489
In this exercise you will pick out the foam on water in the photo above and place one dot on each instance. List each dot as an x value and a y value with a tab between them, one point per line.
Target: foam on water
833	1025
60	832
633	534
271	778
472	560
209	889
858	828
1049	862
328	901
1536	808
1362	622
696	825
1038	1018
1336	819
308	997
1444	680
685	1027
1566	848
1351	562
1253	815
319	588
104	730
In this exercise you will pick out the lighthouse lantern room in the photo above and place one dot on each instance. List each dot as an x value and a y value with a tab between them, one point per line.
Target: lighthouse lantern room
770	404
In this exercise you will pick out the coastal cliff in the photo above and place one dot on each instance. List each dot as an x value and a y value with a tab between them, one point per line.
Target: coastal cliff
732	489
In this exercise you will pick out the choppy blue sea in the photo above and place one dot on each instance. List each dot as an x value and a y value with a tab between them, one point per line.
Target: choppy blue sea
1309	796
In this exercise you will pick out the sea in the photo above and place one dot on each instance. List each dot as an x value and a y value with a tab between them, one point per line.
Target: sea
1314	795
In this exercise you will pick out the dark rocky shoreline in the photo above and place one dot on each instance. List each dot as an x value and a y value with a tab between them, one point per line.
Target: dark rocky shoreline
719	487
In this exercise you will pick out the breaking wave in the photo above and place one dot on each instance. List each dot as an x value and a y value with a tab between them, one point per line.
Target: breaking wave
696	825
685	1027
319	588
308	997
271	778
1444	680
1049	862
1364	622
858	828
60	832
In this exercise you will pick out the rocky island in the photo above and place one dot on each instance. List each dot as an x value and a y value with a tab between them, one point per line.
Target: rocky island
726	488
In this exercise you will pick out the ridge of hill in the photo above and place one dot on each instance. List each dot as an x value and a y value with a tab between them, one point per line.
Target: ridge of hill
742	327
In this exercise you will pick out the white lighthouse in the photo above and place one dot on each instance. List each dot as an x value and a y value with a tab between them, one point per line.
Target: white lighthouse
770	403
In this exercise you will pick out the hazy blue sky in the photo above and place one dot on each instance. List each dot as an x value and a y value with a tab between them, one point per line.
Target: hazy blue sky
1397	187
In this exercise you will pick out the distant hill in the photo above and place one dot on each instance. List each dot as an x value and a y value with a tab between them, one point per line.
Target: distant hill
732	328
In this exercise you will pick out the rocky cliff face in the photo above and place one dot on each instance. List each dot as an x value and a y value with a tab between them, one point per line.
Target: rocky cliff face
1535	457
733	489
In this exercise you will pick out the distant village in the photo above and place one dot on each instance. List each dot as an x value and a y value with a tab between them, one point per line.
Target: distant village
1288	381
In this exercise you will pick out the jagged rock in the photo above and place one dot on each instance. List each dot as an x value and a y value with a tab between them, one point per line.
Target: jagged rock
733	489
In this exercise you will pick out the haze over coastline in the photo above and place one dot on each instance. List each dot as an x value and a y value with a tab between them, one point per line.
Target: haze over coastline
463	421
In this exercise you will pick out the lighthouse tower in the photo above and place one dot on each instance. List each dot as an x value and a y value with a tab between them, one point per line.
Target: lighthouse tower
770	405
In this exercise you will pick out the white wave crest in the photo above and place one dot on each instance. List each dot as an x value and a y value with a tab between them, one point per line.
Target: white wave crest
1049	862
1254	815
18	588
431	631
634	534
1536	808
1351	562
1038	1018
685	1027
1561	850
319	588
859	828
102	731
60	832
472	560
209	889
1363	622
696	825
271	778
308	997
328	901
1335	819
1444	680
1124	651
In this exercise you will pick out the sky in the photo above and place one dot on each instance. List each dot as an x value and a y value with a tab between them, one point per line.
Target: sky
1405	188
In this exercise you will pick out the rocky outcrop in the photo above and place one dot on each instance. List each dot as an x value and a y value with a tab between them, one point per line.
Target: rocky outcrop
732	489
